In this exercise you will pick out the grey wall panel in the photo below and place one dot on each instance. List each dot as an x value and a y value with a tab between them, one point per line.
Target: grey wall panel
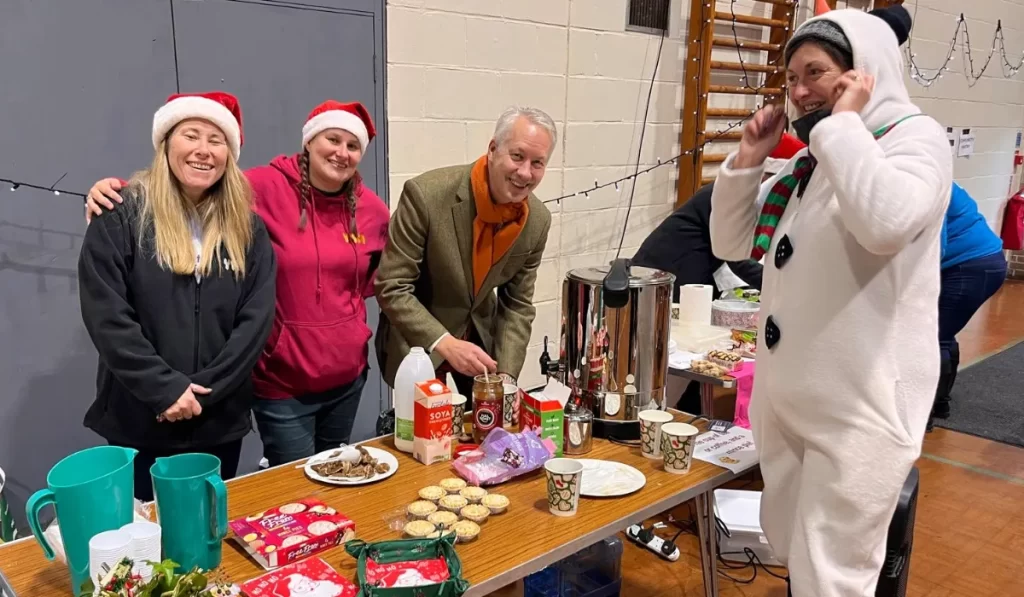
79	81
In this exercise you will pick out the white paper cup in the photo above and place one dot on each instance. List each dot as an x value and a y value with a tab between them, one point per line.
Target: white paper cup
510	406
651	422
677	441
458	416
564	476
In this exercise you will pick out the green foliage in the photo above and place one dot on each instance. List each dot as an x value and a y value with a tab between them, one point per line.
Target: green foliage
121	582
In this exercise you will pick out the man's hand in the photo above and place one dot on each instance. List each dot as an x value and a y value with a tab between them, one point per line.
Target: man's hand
467	358
102	194
760	136
852	91
187	406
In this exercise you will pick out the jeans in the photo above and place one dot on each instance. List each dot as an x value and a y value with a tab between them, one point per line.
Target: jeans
228	454
965	288
299	427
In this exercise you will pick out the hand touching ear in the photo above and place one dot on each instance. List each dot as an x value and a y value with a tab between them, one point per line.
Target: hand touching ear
852	91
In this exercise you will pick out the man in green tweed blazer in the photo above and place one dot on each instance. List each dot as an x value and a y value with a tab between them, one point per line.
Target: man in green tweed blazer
458	272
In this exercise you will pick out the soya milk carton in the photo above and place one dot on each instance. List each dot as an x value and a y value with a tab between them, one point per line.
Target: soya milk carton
432	422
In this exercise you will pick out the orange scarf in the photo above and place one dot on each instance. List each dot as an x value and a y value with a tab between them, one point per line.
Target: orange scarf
495	227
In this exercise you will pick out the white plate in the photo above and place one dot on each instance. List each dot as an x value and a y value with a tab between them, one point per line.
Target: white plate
604	478
380	455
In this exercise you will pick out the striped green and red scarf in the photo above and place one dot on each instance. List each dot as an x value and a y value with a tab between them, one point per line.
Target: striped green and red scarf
775	205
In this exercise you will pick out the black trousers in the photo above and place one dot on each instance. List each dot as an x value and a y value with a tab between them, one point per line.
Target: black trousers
228	454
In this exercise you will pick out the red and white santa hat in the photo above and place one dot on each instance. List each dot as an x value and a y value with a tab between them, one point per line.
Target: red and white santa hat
218	107
788	147
352	117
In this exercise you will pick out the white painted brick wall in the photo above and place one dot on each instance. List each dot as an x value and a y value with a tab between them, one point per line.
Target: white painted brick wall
453	65
993	109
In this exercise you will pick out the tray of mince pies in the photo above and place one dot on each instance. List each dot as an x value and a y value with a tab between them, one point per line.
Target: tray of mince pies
717	363
452	506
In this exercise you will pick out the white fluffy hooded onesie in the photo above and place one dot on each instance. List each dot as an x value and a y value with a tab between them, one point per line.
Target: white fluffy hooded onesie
842	397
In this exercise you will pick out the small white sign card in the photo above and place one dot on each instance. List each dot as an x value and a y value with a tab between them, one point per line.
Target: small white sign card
733	449
966	148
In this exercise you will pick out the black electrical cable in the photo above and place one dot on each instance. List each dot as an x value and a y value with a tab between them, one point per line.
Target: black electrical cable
640	146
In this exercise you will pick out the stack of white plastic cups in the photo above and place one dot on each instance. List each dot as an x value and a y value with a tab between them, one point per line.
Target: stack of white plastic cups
106	550
145	547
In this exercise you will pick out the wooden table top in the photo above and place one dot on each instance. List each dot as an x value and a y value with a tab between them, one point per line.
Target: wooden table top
511	546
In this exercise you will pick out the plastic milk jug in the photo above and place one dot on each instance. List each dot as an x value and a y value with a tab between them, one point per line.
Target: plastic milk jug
416	367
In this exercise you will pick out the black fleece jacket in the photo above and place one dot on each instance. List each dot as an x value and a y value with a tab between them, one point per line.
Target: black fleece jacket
156	332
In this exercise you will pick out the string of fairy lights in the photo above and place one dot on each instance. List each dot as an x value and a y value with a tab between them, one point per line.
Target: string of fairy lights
923	76
16	184
619	182
927	76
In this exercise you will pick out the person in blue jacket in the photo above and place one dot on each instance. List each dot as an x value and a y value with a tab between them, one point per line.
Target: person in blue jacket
973	269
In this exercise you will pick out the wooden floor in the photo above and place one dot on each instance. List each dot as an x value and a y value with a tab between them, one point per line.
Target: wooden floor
969	534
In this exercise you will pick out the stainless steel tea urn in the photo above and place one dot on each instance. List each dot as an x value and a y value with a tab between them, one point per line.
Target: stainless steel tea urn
614	343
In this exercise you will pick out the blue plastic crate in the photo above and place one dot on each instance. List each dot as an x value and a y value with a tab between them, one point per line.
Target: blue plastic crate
592	572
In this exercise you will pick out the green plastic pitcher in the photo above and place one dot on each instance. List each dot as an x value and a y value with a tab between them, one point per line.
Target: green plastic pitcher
92	491
192	507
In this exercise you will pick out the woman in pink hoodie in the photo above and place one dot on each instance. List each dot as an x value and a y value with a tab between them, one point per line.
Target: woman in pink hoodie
328	230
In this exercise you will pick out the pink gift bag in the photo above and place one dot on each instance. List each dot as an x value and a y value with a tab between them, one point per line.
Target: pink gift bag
744	387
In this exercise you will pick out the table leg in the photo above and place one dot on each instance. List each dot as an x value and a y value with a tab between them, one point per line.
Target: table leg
707	400
708	538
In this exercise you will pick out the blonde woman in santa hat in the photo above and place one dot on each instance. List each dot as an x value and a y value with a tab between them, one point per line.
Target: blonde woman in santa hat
177	293
328	230
847	357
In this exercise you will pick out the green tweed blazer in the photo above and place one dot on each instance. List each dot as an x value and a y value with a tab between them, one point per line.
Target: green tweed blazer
424	283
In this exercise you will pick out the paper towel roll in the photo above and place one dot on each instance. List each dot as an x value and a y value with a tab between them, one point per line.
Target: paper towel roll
695	304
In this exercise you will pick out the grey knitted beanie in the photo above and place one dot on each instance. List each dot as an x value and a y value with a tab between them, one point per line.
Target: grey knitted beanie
822	31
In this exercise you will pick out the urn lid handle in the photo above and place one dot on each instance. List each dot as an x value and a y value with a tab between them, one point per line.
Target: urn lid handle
615	289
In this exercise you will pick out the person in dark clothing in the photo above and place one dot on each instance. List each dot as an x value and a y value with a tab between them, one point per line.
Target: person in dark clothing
681	245
973	269
177	293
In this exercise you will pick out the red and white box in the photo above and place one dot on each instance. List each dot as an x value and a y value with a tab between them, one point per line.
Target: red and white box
291	532
406	574
309	578
432	422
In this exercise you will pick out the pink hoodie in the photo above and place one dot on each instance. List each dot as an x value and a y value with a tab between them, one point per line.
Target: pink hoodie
320	339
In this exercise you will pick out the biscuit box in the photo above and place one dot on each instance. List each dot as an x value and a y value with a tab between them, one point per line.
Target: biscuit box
544	416
291	532
310	577
432	422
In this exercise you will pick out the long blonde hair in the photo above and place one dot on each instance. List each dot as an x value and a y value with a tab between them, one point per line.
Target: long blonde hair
225	216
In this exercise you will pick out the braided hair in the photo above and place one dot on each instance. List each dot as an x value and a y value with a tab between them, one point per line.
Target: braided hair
306	194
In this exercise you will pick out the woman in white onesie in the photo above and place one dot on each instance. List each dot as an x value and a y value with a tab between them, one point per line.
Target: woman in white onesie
848	340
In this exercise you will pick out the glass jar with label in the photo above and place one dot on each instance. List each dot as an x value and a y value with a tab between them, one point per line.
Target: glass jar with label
488	396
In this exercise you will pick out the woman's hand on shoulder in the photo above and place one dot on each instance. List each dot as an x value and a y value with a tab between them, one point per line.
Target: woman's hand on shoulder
102	196
852	91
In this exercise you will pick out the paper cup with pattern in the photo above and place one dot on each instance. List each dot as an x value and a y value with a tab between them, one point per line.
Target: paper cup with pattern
458	416
510	406
651	422
677	441
564	476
